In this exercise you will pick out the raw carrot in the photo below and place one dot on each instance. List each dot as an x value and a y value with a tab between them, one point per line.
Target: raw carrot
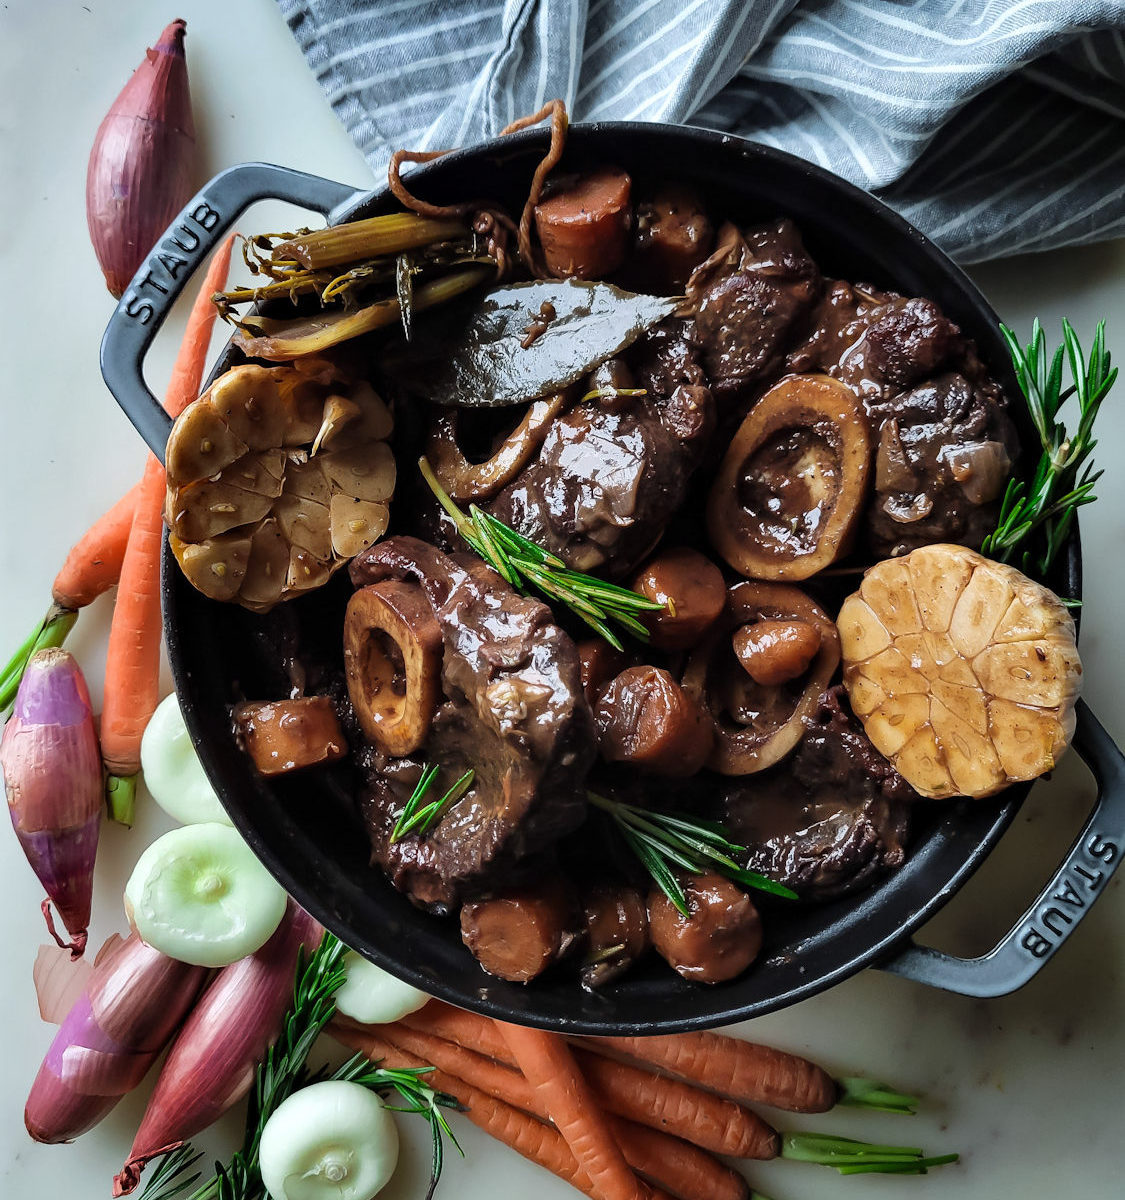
744	1071
682	1168
133	658
94	563
709	1121
675	1165
546	1061
525	1135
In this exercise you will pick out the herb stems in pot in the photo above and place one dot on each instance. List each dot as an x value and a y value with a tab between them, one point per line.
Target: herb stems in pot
141	165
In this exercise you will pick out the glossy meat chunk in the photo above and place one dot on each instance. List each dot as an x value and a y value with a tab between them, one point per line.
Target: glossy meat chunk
944	457
514	713
747	299
612	472
832	818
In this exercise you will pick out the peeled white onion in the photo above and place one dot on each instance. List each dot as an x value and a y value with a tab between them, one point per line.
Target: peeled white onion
330	1140
199	895
372	996
172	769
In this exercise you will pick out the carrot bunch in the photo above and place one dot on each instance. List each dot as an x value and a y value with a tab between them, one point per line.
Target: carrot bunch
123	547
644	1129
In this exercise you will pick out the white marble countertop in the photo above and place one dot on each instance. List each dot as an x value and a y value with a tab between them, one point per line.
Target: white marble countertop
1026	1087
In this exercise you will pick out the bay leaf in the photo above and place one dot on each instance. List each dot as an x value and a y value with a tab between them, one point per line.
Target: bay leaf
472	354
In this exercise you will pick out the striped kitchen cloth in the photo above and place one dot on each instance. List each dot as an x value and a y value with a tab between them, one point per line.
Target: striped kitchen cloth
996	126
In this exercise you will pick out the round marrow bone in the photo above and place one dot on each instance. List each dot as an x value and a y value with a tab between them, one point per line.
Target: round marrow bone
963	671
770	720
792	485
392	661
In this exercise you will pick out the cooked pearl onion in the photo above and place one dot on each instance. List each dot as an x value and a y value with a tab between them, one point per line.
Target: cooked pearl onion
332	1140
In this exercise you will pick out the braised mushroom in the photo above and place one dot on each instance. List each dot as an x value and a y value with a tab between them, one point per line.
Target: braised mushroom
719	940
467	480
758	716
392	662
792	485
275	480
287	735
693	593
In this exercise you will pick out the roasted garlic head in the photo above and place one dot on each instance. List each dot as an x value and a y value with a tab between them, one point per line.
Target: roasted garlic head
277	476
963	671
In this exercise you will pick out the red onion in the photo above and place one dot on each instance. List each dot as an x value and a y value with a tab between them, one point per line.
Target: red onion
212	1061
53	778
135	1000
140	170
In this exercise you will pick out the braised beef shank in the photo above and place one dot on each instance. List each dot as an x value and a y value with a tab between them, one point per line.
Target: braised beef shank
514	713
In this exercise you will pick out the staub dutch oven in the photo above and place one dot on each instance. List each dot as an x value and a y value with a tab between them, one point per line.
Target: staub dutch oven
306	829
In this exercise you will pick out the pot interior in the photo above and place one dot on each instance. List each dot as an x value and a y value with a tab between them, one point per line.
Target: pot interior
306	828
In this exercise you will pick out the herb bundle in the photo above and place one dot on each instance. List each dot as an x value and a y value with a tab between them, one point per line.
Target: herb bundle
1037	516
663	841
283	1072
521	562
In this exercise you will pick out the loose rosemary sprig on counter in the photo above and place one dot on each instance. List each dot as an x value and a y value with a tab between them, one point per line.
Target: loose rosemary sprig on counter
521	562
1046	506
283	1072
663	841
420	818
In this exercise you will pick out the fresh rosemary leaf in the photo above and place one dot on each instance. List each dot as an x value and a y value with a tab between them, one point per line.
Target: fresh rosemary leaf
520	561
663	840
282	1072
1036	516
415	819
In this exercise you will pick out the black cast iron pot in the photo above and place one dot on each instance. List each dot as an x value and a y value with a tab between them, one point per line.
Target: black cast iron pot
306	830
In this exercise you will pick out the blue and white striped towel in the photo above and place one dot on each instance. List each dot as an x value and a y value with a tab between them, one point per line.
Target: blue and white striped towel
996	126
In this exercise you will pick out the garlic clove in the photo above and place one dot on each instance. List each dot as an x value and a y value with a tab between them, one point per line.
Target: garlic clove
356	524
339	411
267	568
366	472
217	566
207	509
201	445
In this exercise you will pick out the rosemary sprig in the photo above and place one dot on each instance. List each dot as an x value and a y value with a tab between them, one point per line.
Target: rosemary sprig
283	1072
418	818
521	562
664	841
1045	506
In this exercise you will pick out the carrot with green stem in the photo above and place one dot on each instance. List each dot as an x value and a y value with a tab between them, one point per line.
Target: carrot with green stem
546	1061
133	659
681	1166
92	567
711	1122
527	1136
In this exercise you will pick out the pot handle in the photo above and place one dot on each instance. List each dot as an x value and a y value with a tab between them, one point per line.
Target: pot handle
1063	902
175	258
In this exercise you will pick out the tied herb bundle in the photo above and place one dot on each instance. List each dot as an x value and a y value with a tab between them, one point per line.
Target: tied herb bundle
283	1072
521	562
1036	516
